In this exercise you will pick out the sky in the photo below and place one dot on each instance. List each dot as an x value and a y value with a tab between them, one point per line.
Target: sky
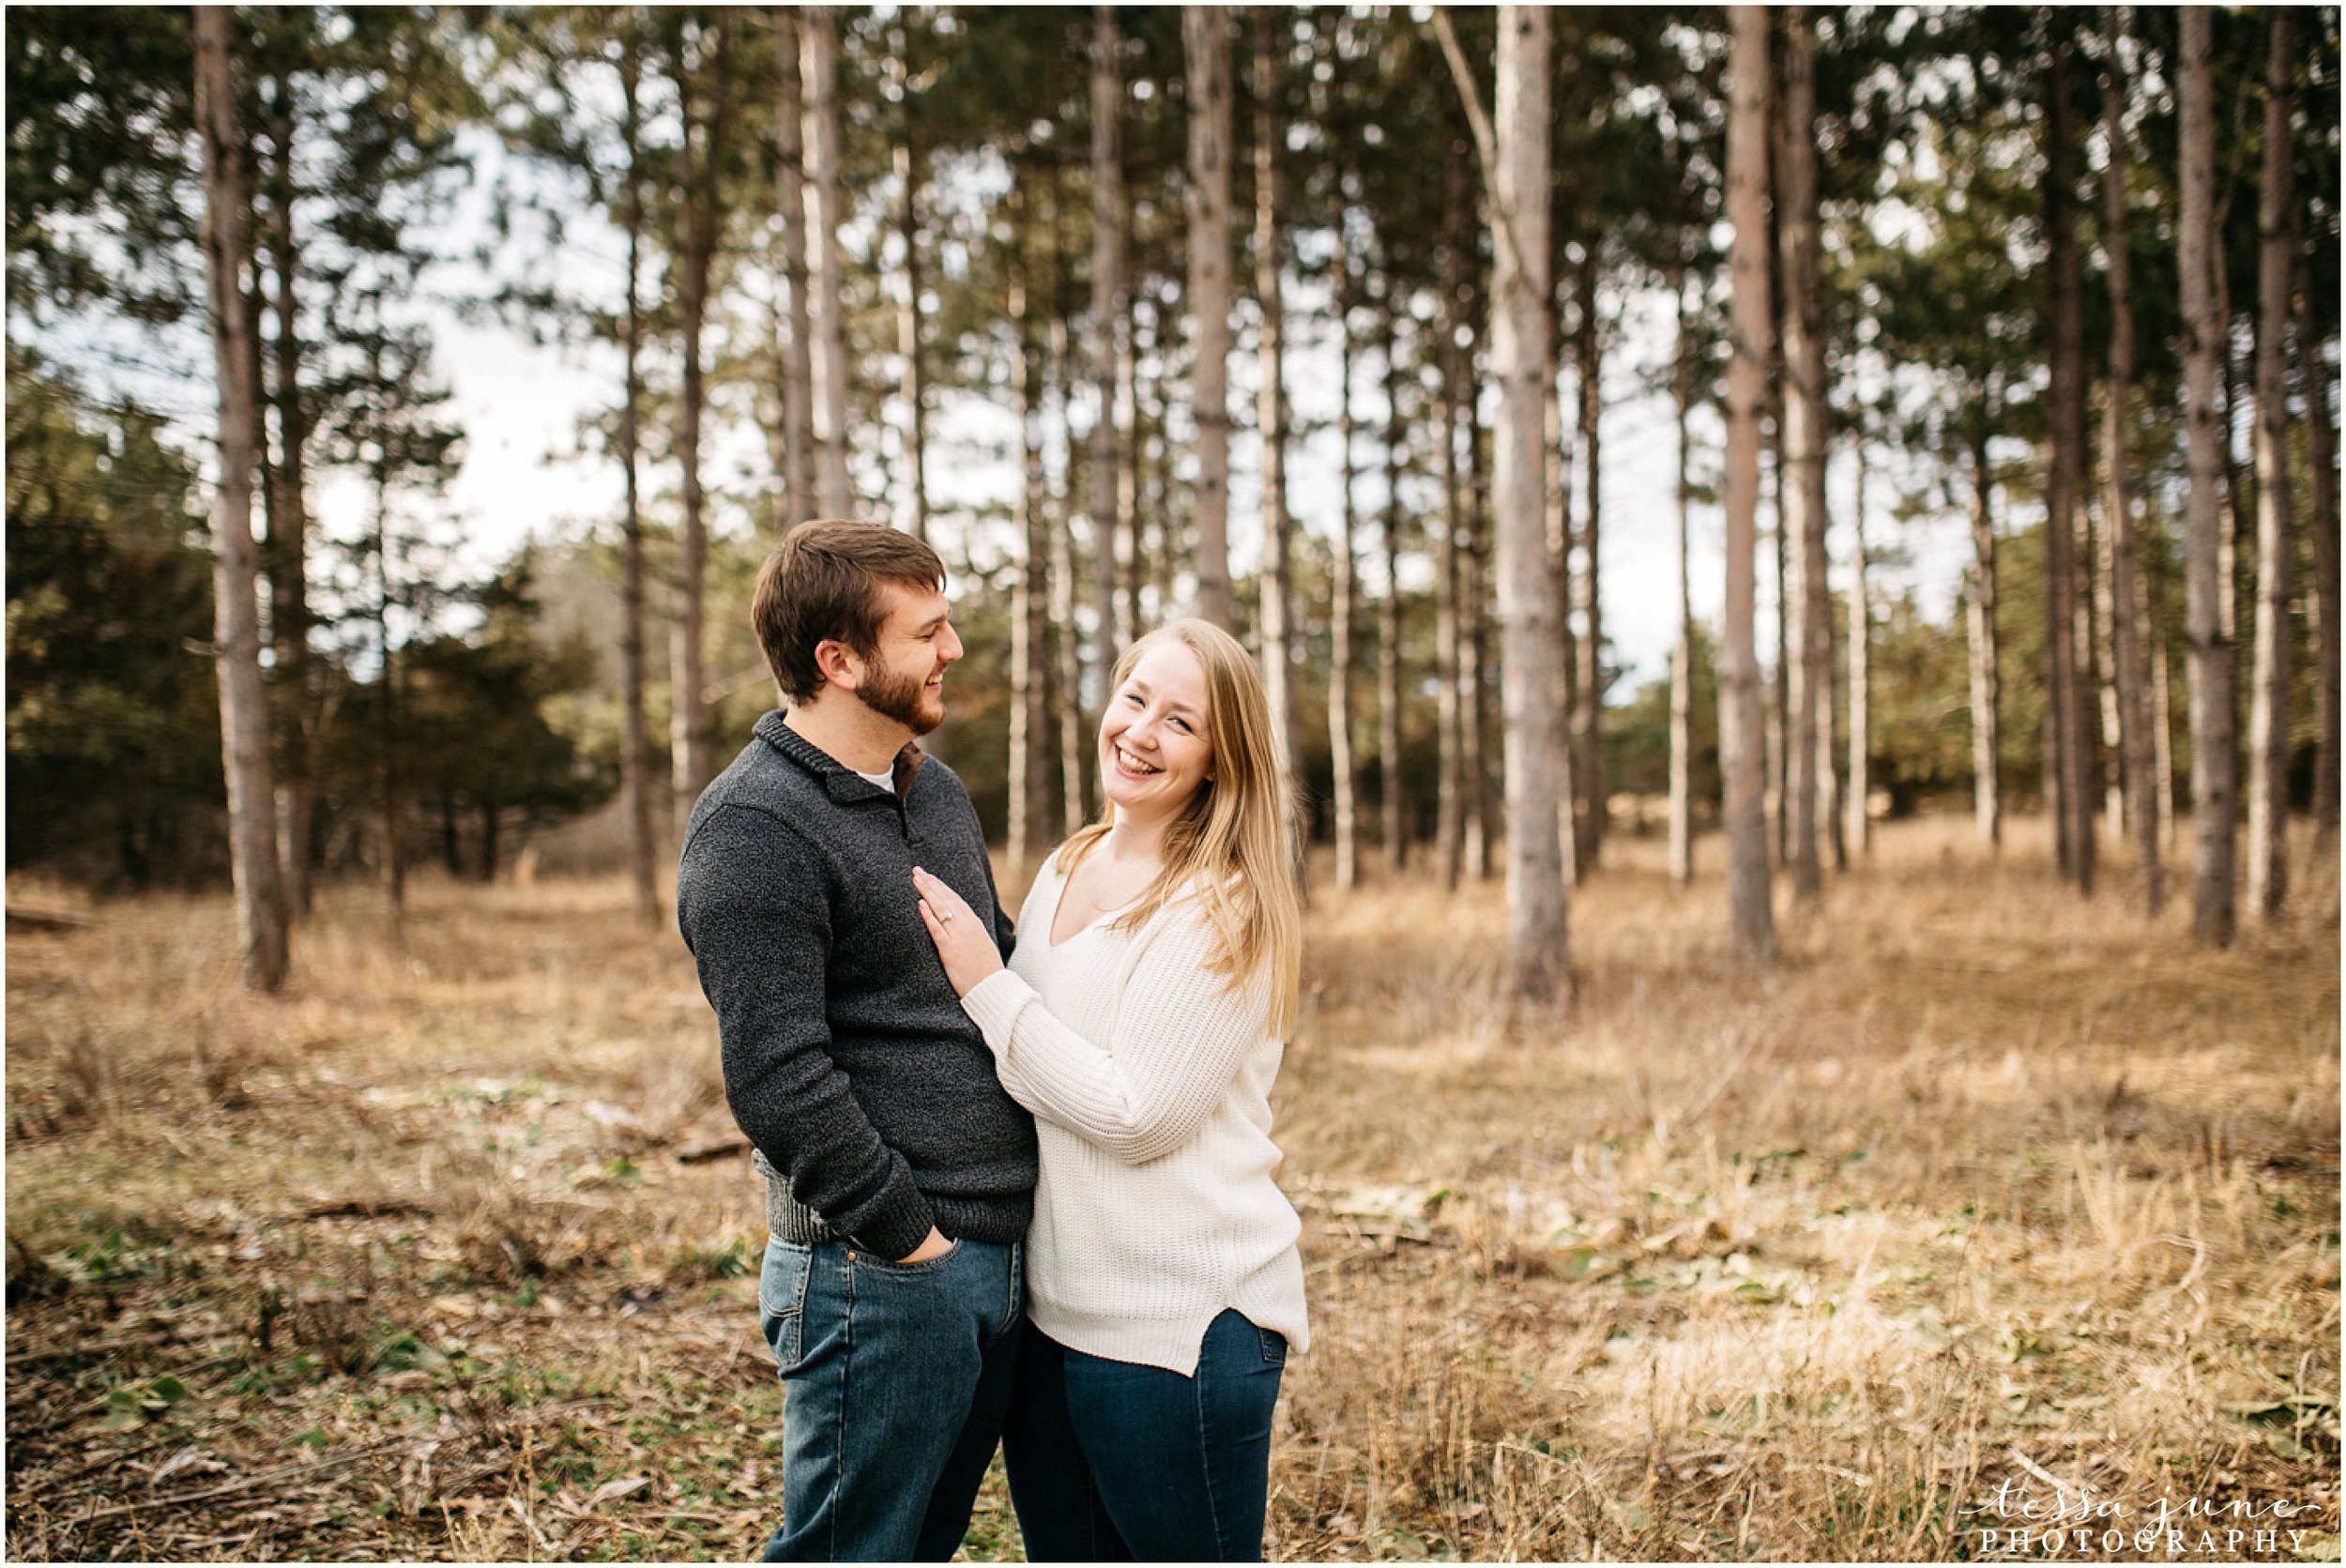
521	404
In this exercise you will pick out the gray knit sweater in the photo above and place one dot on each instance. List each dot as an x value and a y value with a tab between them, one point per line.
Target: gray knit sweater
868	1094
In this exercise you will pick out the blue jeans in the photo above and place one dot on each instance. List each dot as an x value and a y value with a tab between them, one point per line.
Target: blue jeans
1111	1462
896	1379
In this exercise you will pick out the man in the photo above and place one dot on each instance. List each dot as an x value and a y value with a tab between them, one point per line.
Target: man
899	1176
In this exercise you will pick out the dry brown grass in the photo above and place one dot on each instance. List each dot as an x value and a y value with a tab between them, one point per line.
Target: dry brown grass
1982	1185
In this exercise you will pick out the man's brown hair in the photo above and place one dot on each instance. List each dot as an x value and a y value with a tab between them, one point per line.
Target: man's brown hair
822	583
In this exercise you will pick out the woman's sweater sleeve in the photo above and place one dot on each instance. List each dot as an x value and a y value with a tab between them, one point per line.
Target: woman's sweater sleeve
1179	1035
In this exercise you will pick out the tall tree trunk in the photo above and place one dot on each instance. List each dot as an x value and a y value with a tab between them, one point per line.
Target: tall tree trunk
2214	765
1859	825
288	530
1754	921
2316	377
1450	796
2065	684
1567	672
1780	700
1175	545
1683	645
1587	714
2163	734
910	173
387	717
2138	755
1109	321
1809	683
1028	640
1067	668
794	323
1474	697
2268	709
1987	679
236	606
1129	494
1538	956
2100	651
452	858
1389	613
1278	590
819	68
635	748
1342	591
1205	54
696	219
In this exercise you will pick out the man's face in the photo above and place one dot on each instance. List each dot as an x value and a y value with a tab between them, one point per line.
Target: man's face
904	680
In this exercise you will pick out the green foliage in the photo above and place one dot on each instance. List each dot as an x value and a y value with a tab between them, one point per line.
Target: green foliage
114	738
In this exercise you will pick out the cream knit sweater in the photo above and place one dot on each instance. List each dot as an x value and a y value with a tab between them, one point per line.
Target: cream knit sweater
1150	1080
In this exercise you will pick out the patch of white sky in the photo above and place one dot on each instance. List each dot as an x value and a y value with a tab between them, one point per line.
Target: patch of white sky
530	472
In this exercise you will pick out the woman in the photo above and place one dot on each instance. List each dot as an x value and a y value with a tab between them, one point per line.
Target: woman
1141	1020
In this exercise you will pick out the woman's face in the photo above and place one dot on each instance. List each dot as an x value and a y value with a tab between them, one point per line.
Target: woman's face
1155	749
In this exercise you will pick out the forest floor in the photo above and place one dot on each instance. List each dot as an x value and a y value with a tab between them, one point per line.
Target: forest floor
1985	1202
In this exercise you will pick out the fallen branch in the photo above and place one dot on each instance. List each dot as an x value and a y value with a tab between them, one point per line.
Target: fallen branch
24	917
250	1483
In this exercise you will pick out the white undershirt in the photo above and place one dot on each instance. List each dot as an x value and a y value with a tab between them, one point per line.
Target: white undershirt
879	781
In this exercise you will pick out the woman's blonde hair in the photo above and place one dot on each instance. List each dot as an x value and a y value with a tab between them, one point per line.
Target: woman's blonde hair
1233	838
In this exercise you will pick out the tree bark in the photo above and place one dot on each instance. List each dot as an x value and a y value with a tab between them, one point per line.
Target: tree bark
236	607
1389	613
1754	922
2065	407
1858	822
2269	684
1067	667
1206	52
696	244
387	717
1110	322
2214	766
819	68
1278	590
635	747
1567	672
2138	755
1474	591
793	324
1129	494
1681	828
2163	736
1342	590
1588	713
2268	711
1986	678
1780	700
1809	683
2317	378
288	532
1538	955
1031	597
1450	793
910	171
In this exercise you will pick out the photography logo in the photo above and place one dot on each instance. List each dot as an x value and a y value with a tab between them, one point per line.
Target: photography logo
2064	1520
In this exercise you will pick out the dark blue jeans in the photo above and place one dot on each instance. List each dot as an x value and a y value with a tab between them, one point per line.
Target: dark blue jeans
894	1381
1111	1462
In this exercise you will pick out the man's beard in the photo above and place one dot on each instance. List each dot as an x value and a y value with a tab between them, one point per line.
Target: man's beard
900	698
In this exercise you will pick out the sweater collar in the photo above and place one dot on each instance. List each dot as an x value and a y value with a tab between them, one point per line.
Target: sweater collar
840	781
